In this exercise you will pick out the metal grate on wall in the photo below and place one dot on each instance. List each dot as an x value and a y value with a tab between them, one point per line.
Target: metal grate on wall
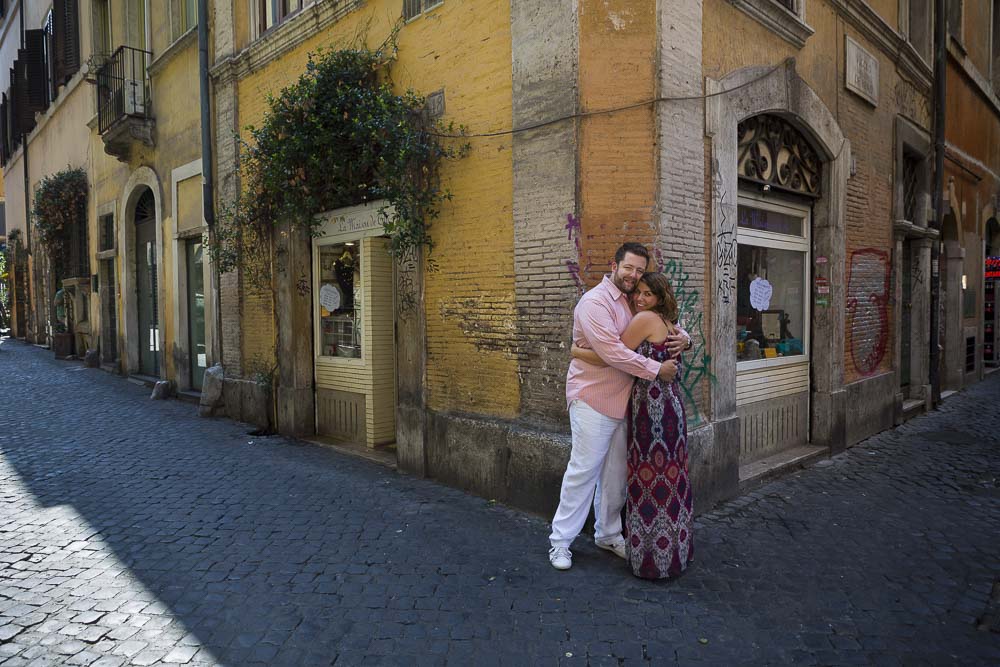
970	354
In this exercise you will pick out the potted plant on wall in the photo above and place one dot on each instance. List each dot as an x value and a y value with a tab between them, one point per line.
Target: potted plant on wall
60	213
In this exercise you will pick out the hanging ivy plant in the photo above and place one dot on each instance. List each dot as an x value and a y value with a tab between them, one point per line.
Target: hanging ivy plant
337	137
60	204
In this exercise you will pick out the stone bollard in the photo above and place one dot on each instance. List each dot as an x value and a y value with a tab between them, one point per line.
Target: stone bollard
211	392
92	359
162	389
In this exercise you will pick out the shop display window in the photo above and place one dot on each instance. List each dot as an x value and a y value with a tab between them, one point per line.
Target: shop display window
340	300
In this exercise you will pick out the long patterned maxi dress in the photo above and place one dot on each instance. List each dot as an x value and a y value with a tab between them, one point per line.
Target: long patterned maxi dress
659	511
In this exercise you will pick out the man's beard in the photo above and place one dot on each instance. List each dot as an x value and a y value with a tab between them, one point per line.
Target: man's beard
620	283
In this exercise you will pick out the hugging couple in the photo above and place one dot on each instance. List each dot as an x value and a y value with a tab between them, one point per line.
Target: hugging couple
627	418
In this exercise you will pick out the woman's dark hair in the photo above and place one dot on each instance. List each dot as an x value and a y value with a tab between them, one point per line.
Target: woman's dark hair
660	287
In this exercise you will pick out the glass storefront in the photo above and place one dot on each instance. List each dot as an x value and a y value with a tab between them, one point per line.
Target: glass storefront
772	313
340	300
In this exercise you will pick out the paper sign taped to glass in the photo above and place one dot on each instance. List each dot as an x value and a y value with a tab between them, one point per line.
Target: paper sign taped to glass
329	297
760	293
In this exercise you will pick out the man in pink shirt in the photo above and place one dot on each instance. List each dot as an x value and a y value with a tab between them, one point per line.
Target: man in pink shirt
598	398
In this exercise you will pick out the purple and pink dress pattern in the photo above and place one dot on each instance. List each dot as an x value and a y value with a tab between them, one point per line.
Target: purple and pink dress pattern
659	510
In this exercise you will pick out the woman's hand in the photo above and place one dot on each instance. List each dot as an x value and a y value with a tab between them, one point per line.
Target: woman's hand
586	355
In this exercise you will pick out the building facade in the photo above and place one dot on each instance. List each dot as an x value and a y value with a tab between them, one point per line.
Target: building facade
775	155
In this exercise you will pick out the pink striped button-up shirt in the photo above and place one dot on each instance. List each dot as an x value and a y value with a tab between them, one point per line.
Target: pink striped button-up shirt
598	322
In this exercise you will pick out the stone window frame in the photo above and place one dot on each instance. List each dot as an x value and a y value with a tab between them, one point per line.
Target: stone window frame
925	51
789	25
913	143
254	7
414	9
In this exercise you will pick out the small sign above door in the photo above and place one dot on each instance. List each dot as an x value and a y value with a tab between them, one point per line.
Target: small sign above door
355	222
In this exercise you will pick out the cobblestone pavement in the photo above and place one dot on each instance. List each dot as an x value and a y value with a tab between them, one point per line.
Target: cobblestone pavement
133	532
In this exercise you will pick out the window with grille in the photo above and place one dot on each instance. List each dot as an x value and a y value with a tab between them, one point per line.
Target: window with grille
107	232
265	14
911	172
413	8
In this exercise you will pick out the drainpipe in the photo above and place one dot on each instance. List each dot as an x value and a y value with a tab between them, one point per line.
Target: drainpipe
940	68
207	167
32	288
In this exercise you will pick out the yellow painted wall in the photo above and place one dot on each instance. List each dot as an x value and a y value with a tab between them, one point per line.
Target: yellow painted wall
175	109
469	299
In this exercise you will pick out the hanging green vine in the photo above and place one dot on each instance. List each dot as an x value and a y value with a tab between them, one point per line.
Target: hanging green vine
60	204
337	137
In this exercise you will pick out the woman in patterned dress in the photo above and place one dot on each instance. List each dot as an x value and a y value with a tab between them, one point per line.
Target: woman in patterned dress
658	510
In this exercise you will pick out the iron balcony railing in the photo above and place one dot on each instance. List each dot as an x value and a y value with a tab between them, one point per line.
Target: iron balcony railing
123	87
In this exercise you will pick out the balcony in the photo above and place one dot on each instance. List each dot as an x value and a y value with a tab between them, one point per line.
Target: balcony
124	106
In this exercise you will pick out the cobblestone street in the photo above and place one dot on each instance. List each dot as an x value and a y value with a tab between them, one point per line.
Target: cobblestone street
133	532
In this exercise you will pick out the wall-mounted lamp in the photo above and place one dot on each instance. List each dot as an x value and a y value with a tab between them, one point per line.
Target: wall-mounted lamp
965	283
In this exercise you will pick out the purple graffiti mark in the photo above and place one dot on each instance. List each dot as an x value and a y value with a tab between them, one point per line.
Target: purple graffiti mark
867	308
574	271
725	260
574	229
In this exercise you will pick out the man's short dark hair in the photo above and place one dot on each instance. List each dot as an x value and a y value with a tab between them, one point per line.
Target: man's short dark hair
635	249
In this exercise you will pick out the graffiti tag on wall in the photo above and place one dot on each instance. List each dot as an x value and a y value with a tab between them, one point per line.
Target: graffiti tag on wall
406	282
867	308
697	363
573	231
725	242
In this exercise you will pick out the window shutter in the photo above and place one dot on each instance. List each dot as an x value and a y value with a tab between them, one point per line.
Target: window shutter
33	54
71	43
22	108
4	141
58	40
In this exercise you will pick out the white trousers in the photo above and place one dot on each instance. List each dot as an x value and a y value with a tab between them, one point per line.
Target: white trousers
597	470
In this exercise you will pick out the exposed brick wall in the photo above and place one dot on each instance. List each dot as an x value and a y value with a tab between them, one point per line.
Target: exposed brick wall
868	219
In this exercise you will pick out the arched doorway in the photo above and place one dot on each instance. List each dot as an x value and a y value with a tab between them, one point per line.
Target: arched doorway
147	312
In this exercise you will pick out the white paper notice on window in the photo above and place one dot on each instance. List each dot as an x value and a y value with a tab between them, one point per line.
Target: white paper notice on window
760	293
329	297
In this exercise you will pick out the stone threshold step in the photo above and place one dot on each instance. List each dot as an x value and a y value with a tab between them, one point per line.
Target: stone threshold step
383	455
913	407
763	470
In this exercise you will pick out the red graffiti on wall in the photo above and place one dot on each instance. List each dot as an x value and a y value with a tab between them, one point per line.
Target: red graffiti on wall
867	308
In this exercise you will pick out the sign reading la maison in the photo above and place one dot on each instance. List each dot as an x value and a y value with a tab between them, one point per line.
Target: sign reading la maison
862	71
355	221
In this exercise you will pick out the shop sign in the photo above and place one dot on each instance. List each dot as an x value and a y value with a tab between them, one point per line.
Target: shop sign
993	267
356	221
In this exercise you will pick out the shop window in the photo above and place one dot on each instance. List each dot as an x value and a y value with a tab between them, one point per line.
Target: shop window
772	314
340	300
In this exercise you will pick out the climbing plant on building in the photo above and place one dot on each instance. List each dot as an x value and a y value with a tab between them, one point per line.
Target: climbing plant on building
59	210
339	136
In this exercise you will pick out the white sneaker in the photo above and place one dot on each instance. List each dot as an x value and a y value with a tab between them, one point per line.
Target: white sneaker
617	548
561	558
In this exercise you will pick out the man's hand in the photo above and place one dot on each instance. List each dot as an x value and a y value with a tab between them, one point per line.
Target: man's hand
677	343
668	370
